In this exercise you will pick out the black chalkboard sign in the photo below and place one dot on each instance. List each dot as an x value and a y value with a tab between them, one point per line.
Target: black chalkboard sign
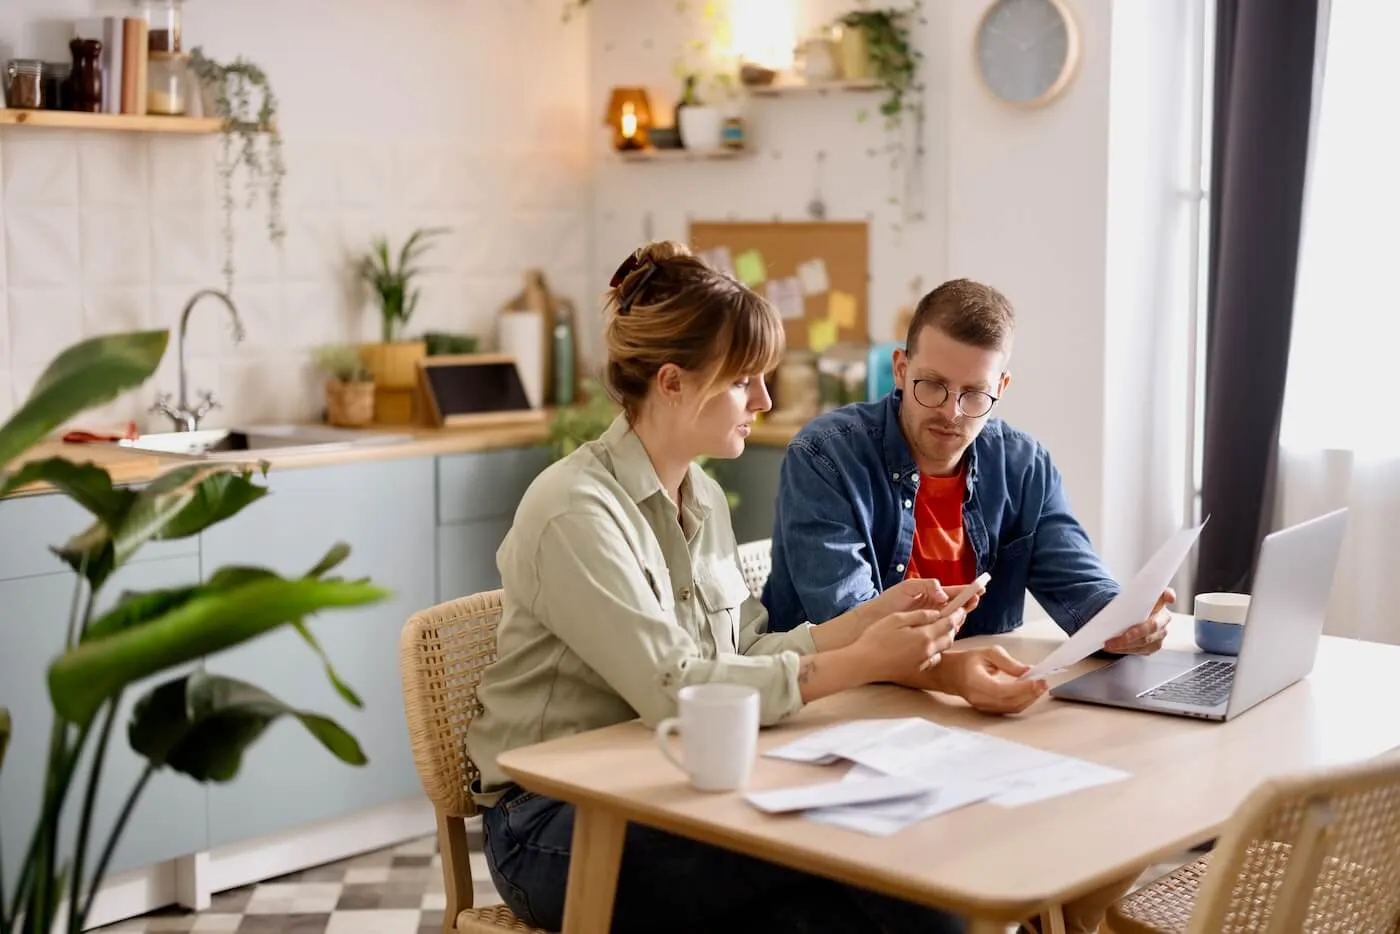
474	389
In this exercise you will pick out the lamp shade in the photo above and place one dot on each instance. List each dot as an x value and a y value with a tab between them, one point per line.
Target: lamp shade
629	115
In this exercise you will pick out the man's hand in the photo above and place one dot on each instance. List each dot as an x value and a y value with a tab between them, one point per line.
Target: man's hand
905	597
1145	637
974	675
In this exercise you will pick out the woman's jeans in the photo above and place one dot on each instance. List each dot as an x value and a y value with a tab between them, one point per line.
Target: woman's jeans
669	883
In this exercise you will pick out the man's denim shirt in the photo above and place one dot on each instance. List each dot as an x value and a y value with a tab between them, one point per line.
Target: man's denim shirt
845	524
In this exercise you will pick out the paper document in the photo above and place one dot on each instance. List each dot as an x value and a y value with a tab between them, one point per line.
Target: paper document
1131	606
876	788
909	769
887	817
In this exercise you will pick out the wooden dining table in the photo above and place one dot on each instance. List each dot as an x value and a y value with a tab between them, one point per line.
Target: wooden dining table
994	865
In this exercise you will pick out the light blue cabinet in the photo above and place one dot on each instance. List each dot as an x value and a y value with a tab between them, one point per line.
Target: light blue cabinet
477	497
169	822
385	511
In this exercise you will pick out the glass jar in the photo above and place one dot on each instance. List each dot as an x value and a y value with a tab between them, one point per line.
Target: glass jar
163	25
55	80
24	83
165	83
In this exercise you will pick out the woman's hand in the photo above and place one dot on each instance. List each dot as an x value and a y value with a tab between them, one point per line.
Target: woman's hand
902	644
906	596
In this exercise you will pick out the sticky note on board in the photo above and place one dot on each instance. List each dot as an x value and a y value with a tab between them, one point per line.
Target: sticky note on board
821	334
841	309
786	296
812	272
748	268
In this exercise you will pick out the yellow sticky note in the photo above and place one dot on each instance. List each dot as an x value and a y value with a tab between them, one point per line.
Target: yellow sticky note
841	309
821	334
748	266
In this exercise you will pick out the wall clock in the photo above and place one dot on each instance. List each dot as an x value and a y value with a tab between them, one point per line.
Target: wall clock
1026	51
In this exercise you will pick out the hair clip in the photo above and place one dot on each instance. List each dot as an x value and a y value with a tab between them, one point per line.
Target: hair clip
628	266
625	305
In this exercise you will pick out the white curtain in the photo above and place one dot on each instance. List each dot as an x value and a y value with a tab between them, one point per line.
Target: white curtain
1340	435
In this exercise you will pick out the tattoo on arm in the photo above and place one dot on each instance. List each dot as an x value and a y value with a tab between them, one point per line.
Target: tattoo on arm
806	670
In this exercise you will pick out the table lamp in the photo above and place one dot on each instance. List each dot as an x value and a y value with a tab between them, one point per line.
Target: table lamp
629	115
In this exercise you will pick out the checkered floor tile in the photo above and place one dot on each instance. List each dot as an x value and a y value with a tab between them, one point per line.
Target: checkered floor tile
391	891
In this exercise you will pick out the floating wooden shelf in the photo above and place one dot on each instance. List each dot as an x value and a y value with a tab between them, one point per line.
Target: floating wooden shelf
680	155
131	123
792	87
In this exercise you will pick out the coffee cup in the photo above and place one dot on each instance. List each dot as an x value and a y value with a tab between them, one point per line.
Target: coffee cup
718	727
1220	622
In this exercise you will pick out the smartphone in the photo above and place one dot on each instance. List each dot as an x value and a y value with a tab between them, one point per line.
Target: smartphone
966	594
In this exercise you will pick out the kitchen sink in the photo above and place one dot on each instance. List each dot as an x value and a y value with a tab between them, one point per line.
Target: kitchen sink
252	442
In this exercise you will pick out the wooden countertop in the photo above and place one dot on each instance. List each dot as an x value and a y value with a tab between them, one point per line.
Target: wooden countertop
128	466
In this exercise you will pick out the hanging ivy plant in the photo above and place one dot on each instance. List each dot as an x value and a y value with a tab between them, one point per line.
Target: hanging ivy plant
249	128
892	55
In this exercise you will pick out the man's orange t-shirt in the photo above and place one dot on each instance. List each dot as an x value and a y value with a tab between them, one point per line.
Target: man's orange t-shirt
940	548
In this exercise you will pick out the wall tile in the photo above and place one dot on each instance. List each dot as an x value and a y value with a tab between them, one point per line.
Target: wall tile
365	175
41	245
7	395
41	168
185	244
43	321
116	244
114	308
184	169
114	169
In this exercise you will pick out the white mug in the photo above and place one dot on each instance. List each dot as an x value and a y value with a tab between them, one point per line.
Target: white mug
718	724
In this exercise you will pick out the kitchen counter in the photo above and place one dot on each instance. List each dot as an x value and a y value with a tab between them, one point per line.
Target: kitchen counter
128	466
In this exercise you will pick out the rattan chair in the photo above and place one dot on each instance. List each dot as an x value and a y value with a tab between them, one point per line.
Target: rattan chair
442	651
1316	852
755	561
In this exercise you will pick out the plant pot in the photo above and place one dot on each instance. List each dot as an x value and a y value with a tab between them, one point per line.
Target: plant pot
349	405
701	126
855	53
395	369
394	365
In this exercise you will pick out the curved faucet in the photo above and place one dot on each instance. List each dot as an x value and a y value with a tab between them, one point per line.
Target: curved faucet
184	417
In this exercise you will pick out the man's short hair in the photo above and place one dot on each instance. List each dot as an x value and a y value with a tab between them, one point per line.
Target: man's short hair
968	312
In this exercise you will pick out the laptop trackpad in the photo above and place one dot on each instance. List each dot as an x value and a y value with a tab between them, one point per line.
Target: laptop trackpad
1131	675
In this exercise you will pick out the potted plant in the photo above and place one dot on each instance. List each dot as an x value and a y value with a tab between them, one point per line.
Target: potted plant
227	91
349	385
393	361
197	723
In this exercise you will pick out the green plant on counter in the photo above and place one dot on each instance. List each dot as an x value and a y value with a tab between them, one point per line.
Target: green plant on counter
198	723
230	88
342	362
393	283
576	425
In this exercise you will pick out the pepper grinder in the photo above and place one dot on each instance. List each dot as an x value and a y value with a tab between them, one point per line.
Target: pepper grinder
85	80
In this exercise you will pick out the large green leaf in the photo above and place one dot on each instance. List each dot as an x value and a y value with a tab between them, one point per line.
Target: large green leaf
86	484
87	374
4	735
135	609
236	575
176	504
202	724
82	678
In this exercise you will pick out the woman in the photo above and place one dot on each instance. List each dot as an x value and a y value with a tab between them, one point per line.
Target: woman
621	586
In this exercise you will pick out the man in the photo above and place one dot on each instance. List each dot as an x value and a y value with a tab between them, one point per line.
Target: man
925	483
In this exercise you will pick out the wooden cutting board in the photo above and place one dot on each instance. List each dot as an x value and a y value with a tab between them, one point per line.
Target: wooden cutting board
124	464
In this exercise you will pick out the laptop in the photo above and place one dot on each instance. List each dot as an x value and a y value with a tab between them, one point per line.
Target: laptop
1283	626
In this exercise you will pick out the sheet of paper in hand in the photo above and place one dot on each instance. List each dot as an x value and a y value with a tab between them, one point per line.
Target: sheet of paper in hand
1130	607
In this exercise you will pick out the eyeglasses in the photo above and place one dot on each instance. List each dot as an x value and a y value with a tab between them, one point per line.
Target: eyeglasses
974	403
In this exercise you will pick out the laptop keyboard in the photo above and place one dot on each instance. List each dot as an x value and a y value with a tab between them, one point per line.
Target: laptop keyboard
1206	685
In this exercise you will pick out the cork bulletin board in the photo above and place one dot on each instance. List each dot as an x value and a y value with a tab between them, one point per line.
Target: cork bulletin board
815	272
